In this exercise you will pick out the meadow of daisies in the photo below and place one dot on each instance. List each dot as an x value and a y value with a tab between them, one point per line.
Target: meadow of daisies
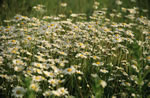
103	55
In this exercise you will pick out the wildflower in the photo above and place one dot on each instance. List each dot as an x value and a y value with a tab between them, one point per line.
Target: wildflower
46	17
63	4
14	50
39	71
13	42
95	6
113	96
70	70
62	53
56	93
79	78
47	93
126	84
133	0
39	8
38	78
103	83
19	68
148	58
118	2
80	55
62	91
94	75
112	15
62	15
56	70
132	11
117	39
79	72
130	33
49	74
53	82
34	87
39	65
133	95
18	18
96	3
135	67
18	62
103	70
147	67
40	58
88	85
74	15
93	96
123	9
18	91
81	45
98	63
148	84
1	59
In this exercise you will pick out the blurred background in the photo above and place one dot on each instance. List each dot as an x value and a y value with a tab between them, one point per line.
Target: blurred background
9	8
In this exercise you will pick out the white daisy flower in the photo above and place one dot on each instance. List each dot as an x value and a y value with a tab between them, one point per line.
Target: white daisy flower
148	58
35	87
47	93
18	91
103	83
18	62
38	78
103	70
62	91
53	82
70	70
98	63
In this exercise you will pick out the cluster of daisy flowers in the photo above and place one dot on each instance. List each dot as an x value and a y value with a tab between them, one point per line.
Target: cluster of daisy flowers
63	57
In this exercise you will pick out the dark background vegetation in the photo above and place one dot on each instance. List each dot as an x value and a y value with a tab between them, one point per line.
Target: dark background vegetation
9	8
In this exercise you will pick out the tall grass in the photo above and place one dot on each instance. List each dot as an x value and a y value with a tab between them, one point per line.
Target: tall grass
9	8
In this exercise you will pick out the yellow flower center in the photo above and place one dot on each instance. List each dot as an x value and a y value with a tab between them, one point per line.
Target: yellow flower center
89	26
52	25
148	57
37	78
117	39
94	57
8	26
13	51
17	18
62	53
62	90
22	23
53	82
51	74
81	44
81	55
97	62
33	87
29	38
75	27
69	69
38	65
116	35
18	92
17	61
7	30
13	41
